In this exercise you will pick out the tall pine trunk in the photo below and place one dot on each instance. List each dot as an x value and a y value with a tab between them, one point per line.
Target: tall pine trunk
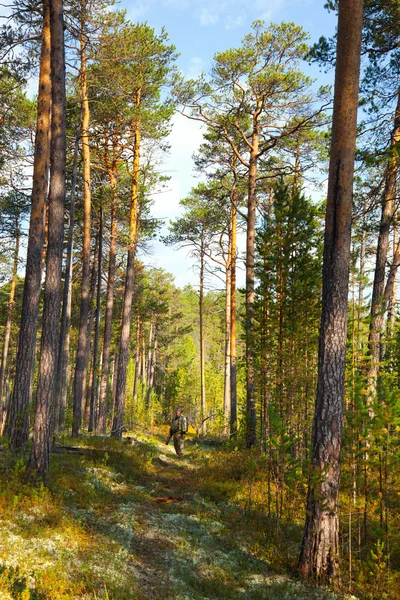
123	353
233	407
40	454
202	345
7	329
82	353
87	379
392	300
320	547
377	306
93	391
251	423
152	366
63	348
18	429
228	321
137	361
104	384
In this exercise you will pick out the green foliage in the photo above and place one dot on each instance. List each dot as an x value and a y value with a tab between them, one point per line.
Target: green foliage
287	312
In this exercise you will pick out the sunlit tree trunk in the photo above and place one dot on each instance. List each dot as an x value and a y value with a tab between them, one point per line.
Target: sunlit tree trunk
137	361
202	345
148	366
228	321
233	407
129	286
251	424
10	310
152	365
40	454
377	307
392	301
320	547
18	429
113	386
82	353
93	391
87	385
63	349
104	384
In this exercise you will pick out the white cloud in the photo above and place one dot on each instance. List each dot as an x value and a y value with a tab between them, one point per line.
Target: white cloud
232	13
208	16
184	139
138	9
196	67
233	22
273	7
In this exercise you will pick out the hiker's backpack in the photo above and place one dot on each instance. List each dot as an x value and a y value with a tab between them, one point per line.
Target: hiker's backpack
183	424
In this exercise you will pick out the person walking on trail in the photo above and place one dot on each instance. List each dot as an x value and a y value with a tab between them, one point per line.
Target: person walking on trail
178	430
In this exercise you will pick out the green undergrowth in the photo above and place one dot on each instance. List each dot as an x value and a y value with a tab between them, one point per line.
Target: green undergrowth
119	522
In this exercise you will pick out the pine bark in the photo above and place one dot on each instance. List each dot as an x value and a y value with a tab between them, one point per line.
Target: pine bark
82	354
10	310
93	391
202	346
152	365
40	454
18	429
320	547
137	360
251	424
392	299
104	384
87	378
123	352
377	304
63	350
228	321
233	407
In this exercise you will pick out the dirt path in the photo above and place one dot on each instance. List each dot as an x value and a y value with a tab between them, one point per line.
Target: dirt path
184	546
137	523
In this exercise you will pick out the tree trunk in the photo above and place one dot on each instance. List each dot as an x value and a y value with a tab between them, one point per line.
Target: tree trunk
104	384
10	310
93	391
377	307
149	356
202	348
233	408
18	429
320	547
87	380
390	283
143	364
228	320
251	423
137	361
154	360
40	454
129	285
392	299
361	279
83	341
63	349
152	367
113	386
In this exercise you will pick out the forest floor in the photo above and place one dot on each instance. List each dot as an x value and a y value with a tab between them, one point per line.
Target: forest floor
122	522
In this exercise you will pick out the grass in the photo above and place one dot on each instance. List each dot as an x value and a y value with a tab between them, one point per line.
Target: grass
118	522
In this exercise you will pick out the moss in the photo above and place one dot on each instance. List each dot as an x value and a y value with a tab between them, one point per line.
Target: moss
115	524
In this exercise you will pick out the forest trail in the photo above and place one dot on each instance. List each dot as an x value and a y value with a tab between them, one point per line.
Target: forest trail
141	524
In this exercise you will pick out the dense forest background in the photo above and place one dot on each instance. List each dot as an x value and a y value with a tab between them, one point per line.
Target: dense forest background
95	342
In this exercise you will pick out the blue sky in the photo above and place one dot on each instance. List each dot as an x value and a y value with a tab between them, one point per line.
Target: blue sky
199	29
